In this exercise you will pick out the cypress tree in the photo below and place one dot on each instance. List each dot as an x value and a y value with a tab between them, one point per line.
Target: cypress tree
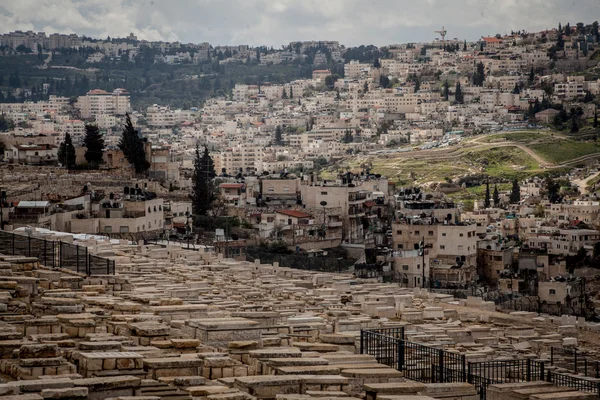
496	196
574	125
132	146
486	201
446	90
515	193
203	193
458	95
66	152
531	76
94	142
278	135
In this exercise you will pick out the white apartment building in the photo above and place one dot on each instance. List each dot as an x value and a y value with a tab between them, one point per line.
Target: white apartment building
354	69
242	157
569	90
99	102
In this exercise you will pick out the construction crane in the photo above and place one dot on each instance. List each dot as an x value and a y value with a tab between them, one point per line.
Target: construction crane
443	33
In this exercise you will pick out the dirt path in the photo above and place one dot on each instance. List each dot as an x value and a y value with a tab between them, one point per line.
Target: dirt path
583	183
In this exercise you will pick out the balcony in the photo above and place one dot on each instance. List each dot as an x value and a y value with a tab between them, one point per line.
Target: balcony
335	224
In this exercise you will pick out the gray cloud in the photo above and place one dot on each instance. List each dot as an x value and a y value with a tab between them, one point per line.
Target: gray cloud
275	22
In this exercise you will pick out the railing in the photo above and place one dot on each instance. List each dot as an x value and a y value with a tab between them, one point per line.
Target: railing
575	382
576	361
434	365
56	254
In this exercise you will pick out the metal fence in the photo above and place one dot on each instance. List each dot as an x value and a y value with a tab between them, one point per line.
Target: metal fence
434	365
56	254
301	261
576	382
574	360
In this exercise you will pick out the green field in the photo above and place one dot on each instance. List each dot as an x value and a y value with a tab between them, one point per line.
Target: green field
558	153
524	137
504	162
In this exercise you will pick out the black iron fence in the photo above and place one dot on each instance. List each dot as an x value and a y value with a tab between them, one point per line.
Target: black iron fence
435	365
575	360
584	384
56	254
301	261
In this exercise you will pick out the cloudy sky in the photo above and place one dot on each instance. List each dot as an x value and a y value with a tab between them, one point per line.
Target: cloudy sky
275	22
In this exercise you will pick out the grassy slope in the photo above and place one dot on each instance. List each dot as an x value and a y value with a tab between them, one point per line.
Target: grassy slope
565	151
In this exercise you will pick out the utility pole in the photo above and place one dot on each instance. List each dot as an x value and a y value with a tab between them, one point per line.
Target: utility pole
2	201
422	251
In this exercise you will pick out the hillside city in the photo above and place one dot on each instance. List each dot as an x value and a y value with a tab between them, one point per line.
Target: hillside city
235	222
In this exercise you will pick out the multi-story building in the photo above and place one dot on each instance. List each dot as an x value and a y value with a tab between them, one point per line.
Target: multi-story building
452	247
569	90
566	242
99	102
133	212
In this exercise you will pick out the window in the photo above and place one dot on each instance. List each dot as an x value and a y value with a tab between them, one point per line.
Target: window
442	247
552	291
444	234
460	247
430	233
124	229
400	246
418	266
271	189
108	229
398	232
461	235
417	232
405	268
323	193
289	221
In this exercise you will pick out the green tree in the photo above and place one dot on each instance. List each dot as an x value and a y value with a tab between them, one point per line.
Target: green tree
486	200
6	124
552	189
531	76
94	143
446	90
458	94
516	89
574	124
384	82
278	135
376	63
132	146
66	152
479	75
465	45
560	43
365	87
330	80
203	190
348	138
515	193
588	97
496	196
595	119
